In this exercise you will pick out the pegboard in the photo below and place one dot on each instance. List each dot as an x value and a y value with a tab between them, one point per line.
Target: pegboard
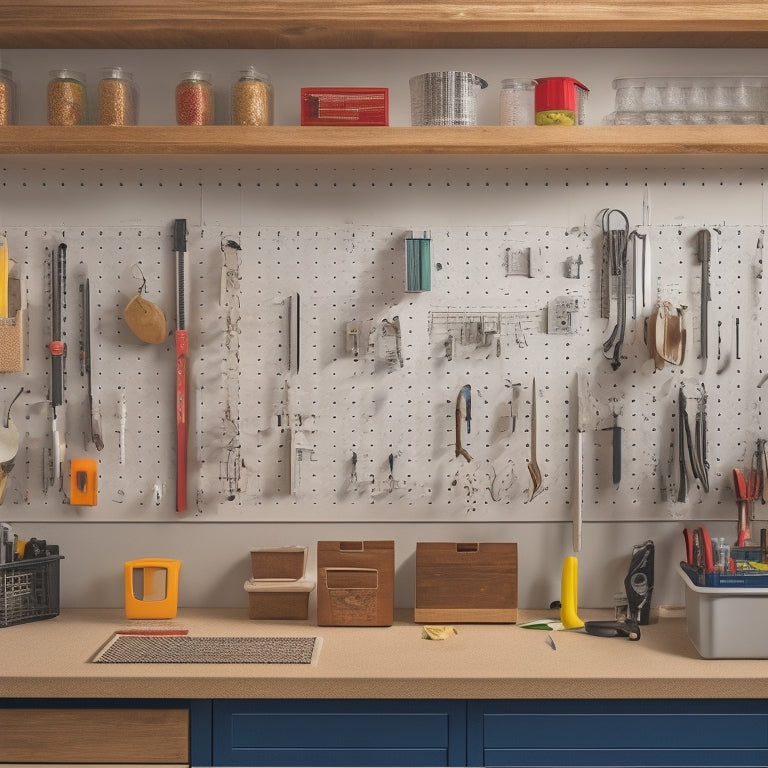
371	433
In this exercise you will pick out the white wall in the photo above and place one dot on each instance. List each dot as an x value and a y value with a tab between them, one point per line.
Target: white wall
227	194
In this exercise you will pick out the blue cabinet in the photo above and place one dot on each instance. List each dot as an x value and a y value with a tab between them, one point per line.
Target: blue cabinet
339	733
618	733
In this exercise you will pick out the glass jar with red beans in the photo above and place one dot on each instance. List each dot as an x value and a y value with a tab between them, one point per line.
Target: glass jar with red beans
194	99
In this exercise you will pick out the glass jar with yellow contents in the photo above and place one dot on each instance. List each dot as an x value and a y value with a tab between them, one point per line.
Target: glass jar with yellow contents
7	98
66	98
252	98
117	100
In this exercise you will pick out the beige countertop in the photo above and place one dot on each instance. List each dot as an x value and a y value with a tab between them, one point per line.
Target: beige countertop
52	658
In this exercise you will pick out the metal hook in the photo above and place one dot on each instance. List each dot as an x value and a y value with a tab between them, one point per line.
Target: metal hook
7	421
143	286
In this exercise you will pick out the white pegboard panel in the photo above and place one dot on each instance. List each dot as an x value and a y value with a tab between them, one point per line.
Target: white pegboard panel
369	407
250	408
297	229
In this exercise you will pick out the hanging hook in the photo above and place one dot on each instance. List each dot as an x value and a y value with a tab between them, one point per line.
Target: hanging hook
7	421
143	286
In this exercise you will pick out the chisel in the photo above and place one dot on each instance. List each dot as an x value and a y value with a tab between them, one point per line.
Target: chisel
617	430
182	349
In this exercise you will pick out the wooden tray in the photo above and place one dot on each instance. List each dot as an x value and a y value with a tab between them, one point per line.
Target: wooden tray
466	582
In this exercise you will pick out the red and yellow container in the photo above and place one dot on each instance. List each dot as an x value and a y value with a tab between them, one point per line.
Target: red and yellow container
559	101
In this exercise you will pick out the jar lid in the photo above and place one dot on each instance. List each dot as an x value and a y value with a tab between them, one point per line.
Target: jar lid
557	93
253	74
196	75
116	73
518	84
66	74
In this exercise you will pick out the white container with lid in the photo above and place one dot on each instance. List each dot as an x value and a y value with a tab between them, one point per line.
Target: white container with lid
516	102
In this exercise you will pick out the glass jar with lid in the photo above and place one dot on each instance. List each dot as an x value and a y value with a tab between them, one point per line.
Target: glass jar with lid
117	97
67	103
516	101
194	99
252	98
7	98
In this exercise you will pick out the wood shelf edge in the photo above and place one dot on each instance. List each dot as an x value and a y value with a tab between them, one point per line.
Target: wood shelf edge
297	140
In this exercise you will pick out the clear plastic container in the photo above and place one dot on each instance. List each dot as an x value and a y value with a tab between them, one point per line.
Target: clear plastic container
710	99
194	99
117	97
252	98
445	98
67	103
516	102
8	114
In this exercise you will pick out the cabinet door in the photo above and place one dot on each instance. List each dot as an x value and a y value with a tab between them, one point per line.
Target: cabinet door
339	733
92	734
618	733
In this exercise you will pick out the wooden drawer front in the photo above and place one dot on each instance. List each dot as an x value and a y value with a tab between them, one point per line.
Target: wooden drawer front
339	733
689	734
94	735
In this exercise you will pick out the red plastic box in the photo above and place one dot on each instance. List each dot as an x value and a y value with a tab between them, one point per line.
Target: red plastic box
345	106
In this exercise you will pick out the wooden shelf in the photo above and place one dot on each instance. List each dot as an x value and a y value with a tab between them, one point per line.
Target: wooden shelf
296	140
384	24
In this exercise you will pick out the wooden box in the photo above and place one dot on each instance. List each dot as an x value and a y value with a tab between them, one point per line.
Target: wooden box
355	583
278	562
466	582
278	599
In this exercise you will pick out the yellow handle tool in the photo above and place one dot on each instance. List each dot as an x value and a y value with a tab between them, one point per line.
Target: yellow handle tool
569	595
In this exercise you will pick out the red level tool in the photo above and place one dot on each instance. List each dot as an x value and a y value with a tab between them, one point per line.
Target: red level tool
182	350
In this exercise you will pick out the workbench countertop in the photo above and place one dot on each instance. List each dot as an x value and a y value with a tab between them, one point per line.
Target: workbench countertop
52	658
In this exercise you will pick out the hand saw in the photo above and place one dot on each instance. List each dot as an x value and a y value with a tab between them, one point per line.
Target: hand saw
182	350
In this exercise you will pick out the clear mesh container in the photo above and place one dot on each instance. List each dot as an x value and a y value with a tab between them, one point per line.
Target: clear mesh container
690	100
516	101
445	98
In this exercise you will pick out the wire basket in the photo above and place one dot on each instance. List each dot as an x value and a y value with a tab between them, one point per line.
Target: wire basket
445	98
29	590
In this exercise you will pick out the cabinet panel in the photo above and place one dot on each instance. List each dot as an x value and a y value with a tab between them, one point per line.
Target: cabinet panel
90	735
366	732
618	733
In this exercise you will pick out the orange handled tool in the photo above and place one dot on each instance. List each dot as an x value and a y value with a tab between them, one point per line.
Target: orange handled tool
182	350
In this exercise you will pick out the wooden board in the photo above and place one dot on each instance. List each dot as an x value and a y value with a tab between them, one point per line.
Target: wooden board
355	583
466	582
95	735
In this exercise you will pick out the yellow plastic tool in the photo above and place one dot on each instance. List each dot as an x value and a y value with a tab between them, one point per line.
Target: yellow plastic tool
569	594
152	588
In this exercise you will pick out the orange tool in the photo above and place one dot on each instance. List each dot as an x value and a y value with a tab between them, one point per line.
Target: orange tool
84	482
182	349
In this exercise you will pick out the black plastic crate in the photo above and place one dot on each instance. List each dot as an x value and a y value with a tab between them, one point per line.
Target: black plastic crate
29	590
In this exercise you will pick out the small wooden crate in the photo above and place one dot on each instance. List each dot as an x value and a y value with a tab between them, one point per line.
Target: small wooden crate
278	562
278	599
473	582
